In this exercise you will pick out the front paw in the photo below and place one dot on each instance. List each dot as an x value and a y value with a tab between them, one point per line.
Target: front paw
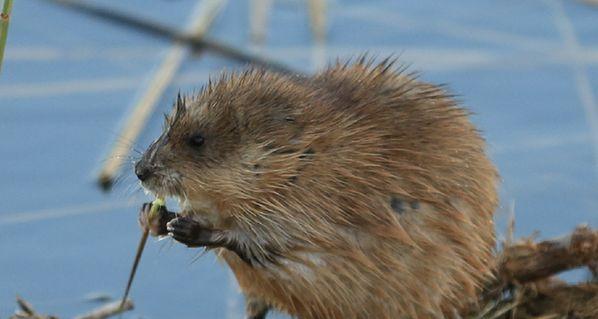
155	223
190	232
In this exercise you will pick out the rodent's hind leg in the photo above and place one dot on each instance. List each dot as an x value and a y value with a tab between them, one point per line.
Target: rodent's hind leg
156	224
255	308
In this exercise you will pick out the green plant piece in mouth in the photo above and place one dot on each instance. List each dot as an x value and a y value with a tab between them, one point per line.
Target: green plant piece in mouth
156	205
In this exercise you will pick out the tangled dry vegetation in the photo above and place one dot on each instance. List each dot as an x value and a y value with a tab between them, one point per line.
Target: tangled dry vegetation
26	311
525	284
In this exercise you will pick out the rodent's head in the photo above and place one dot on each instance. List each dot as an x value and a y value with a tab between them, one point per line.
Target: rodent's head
218	142
192	141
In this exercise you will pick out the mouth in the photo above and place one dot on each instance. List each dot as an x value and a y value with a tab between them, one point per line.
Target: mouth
163	186
162	192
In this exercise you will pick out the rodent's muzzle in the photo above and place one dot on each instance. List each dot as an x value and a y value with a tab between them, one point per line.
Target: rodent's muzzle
142	170
146	166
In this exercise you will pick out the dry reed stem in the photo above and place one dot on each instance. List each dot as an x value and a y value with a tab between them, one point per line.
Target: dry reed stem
4	22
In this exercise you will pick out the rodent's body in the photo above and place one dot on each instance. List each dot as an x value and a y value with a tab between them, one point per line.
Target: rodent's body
362	192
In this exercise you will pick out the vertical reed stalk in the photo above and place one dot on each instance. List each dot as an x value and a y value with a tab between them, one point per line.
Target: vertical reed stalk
4	20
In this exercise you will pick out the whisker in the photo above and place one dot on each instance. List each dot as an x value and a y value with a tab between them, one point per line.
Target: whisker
199	255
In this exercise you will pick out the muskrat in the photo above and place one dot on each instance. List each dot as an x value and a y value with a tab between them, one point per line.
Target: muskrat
358	192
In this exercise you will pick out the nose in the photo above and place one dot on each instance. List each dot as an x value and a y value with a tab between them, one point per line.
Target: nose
142	170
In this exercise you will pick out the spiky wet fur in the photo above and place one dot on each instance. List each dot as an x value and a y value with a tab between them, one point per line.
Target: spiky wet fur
304	171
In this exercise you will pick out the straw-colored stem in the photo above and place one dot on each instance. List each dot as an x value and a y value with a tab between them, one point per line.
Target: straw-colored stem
4	21
201	21
156	205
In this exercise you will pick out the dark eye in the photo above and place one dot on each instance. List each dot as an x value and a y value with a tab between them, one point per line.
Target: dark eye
196	140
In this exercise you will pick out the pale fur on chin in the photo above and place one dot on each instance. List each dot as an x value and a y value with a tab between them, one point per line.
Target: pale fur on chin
164	185
201	207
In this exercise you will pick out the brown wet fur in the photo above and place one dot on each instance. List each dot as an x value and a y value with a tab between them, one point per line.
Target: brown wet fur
373	188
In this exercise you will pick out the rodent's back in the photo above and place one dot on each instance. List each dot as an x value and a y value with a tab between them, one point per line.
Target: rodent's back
378	193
